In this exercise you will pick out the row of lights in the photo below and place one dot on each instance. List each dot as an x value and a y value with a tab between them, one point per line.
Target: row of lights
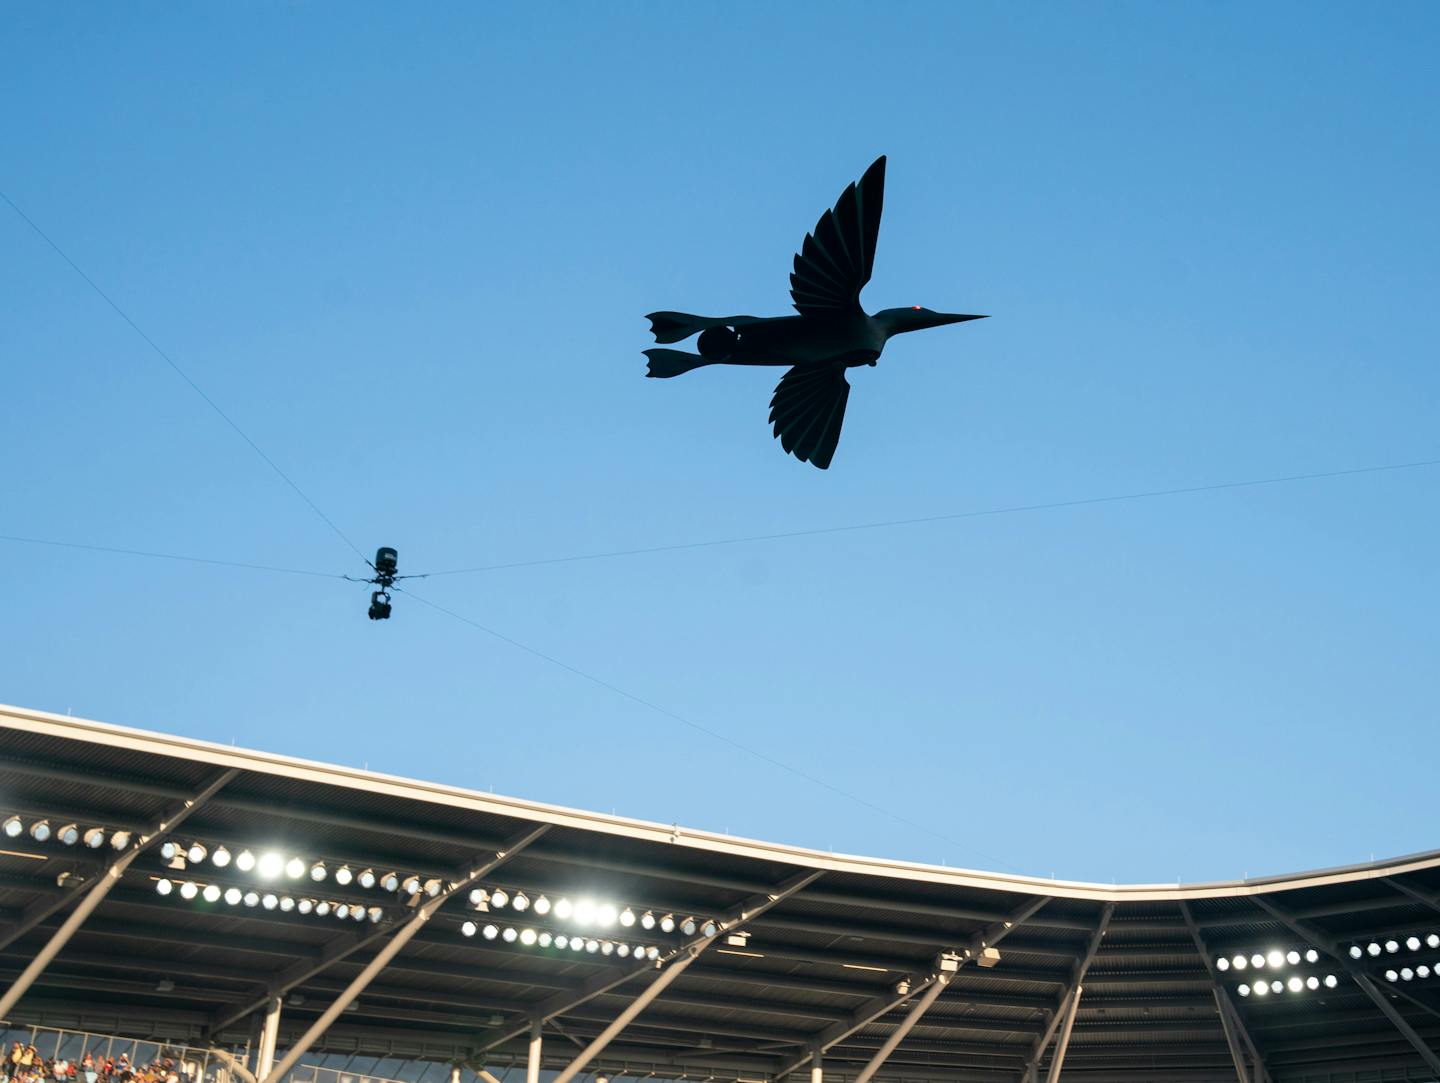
271	865
543	938
1391	947
189	889
70	834
586	912
1295	984
1406	974
1274	959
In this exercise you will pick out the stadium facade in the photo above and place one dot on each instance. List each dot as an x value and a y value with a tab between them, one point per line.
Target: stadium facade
167	888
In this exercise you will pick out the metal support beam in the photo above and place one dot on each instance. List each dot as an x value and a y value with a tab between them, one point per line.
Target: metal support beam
347	944
232	1064
1230	1021
1058	1060
597	1045
94	892
1419	896
1077	975
602	983
817	1065
897	1036
402	934
532	1062
874	1008
1322	940
269	1036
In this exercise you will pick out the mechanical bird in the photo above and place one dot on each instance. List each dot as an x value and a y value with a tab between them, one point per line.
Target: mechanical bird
830	334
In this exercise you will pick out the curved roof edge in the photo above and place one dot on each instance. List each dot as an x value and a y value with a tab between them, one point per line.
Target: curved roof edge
185	748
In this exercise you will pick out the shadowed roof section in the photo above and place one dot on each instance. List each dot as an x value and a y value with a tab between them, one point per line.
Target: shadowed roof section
841	960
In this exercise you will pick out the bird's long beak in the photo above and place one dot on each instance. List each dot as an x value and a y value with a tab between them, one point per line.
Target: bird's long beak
942	318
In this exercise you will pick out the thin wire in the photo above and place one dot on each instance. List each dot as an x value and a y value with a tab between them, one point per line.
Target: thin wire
1013	509
167	556
183	375
674	716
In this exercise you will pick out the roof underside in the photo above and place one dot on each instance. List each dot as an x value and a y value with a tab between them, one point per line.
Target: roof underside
823	959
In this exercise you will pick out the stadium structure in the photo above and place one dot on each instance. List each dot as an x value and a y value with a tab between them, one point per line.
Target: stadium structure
171	889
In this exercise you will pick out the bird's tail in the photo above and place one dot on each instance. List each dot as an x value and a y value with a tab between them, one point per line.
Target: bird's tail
665	363
677	326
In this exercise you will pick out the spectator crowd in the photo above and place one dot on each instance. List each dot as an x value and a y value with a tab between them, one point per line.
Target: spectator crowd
23	1064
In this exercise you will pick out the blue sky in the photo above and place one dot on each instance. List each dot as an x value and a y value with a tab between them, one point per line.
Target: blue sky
408	251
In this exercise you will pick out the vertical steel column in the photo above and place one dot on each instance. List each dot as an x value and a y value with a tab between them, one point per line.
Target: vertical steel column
1230	1022
269	1036
1064	1043
638	1005
454	1073
532	1061
906	1026
817	1067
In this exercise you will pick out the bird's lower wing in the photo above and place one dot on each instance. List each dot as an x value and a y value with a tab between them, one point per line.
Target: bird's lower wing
808	410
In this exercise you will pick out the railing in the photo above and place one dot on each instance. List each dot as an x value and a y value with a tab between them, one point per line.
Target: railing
191	1064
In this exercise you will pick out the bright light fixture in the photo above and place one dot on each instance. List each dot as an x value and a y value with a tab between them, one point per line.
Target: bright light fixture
605	915
688	926
546	939
119	840
469	928
498	897
270	901
521	901
13	827
1433	940
390	881
40	830
1275	958
584	912
69	834
1392	946
189	889
1313	956
1413	943
1257	960
304	906
528	937
564	908
1312	982
509	935
1295	984
163	887
1391	975
94	838
1277	986
542	906
562	941
318	871
623	950
246	861
252	898
196	853
1372	949
211	893
592	946
294	868
322	908
1292	957
270	865
647	920
667	923
490	932
627	917
411	885
1406	974
366	878
286	904
221	857
342	910
1244	990
1222	963
232	896
1331	981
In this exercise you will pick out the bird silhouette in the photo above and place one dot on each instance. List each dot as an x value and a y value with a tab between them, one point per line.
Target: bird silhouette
830	334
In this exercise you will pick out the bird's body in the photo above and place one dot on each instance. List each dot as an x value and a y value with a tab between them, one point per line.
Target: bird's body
830	334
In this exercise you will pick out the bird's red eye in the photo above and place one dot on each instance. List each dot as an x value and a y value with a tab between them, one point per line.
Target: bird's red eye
915	307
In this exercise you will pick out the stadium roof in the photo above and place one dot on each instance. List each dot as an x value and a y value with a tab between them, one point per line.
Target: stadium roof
975	973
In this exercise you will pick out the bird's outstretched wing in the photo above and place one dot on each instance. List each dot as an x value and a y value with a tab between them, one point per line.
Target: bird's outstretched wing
835	261
808	410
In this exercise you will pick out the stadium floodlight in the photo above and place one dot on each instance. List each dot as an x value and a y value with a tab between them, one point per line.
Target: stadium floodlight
688	926
579	943
189	889
163	887
322	908
647	920
286	904
545	939
1222	964
562	941
667	923
479	898
542	906
94	838
169	850
709	929
564	908
1392	946
390	881
652	952
1295	984
1244	990
232	896
627	917
246	861
605	915
1356	951
357	913
1406	974
411	885
490	932
1257	960
1277	986
40	830
1312	982
367	878
498	898
509	935
211	893
318	871
220	857
69	834
584	912
252	898
1292	957
270	900
528	937
1275	958
468	928
342	910
1413	943
1372	949
1433	940
294	868
270	865
1422	971
119	840
521	902
1331	981
343	876
375	914
196	853
622	950
13	827
1392	976
433	887
304	906
606	947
